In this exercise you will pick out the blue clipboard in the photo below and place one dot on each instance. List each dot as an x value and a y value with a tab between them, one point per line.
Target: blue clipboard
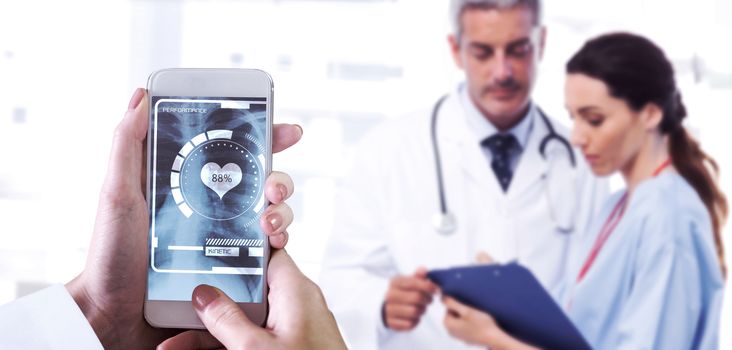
515	299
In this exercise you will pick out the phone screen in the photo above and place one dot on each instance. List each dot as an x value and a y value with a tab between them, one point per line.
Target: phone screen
208	165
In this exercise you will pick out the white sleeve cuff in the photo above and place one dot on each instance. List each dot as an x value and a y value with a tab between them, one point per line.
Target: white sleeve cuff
48	319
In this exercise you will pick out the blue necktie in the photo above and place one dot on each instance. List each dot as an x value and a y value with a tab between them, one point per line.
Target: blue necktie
502	146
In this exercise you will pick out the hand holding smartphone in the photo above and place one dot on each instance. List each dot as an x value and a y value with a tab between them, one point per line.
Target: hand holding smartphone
209	153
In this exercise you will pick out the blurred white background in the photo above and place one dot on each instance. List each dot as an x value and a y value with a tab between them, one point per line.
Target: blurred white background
68	69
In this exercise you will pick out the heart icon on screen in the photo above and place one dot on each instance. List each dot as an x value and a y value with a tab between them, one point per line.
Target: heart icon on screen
221	180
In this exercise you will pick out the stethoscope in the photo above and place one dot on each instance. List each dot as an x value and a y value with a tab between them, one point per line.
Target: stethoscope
445	222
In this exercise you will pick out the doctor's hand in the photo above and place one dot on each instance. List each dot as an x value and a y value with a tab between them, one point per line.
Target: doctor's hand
476	327
110	291
406	300
298	316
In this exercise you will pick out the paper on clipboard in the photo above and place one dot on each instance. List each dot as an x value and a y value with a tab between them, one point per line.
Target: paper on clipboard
515	299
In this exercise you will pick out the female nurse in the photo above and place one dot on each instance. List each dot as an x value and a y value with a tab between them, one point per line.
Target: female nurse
650	272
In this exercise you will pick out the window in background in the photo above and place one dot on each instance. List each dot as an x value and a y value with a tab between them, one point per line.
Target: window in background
337	72
63	87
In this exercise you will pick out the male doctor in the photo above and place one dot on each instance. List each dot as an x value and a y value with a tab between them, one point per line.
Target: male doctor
509	200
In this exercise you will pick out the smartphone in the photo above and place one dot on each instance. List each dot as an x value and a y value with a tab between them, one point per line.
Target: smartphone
209	151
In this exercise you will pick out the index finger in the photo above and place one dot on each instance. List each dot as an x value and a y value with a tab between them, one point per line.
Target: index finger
416	284
284	136
421	273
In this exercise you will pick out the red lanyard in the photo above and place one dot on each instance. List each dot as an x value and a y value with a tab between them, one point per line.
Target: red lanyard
610	224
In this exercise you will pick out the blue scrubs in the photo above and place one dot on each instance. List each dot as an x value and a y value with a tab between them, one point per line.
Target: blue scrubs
656	283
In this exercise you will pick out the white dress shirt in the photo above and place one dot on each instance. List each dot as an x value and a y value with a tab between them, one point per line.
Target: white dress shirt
482	128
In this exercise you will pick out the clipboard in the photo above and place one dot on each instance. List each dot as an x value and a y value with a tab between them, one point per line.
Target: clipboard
515	299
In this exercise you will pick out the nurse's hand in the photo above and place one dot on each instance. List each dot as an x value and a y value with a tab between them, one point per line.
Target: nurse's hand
298	316
406	300
476	327
482	258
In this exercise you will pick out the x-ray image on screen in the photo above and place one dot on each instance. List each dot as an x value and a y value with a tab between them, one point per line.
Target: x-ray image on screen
208	169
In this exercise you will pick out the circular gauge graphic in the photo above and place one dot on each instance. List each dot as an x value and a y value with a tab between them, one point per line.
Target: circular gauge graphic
219	176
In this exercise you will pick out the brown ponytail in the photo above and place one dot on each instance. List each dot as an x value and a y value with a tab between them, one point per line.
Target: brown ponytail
638	72
701	171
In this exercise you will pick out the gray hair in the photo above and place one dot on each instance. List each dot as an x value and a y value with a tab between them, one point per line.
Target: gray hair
458	7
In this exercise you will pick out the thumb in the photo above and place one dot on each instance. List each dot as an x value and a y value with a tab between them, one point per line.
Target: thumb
484	258
225	320
126	159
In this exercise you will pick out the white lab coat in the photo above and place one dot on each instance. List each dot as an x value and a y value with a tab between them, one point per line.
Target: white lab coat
384	220
47	319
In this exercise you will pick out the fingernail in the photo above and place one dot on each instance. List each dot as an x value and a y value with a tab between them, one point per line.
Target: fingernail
299	127
283	191
275	221
204	295
136	99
